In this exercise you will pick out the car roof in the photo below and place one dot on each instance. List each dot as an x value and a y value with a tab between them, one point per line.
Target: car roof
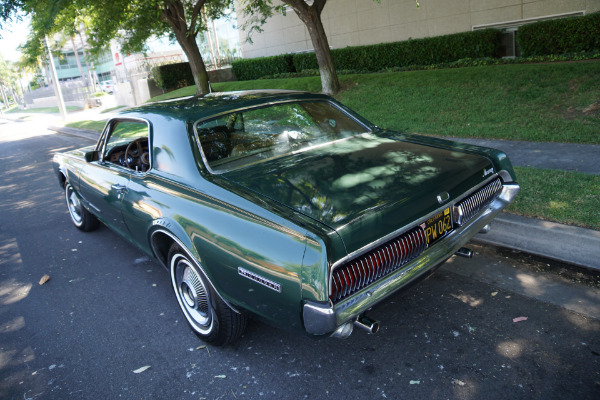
194	108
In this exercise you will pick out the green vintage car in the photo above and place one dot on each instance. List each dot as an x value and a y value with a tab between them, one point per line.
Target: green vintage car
286	206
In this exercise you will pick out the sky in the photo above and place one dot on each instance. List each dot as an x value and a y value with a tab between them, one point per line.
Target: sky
13	34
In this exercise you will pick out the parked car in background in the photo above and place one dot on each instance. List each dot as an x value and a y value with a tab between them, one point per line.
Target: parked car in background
107	86
284	206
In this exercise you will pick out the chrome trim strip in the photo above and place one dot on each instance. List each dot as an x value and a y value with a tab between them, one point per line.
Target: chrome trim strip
318	316
506	178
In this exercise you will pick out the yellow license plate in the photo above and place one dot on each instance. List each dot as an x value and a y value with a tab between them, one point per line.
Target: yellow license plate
438	226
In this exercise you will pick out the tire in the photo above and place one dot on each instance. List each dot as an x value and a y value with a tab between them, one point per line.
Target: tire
81	217
207	314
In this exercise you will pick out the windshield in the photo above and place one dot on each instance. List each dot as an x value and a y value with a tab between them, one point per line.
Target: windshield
248	136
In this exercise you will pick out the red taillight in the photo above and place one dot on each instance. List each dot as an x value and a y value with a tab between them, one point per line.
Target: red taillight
352	277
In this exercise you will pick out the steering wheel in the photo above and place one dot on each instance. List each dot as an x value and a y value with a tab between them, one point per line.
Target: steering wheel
135	156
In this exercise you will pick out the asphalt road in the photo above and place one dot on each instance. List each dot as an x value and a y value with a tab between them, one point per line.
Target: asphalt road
108	310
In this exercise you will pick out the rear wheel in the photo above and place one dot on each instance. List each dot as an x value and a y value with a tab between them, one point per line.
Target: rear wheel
210	318
81	217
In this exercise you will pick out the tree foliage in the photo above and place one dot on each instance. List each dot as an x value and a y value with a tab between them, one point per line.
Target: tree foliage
9	78
9	10
131	22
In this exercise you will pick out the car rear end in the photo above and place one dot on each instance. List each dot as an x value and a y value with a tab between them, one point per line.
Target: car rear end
362	279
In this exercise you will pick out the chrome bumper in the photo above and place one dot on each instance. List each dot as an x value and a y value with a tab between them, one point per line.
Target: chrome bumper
324	318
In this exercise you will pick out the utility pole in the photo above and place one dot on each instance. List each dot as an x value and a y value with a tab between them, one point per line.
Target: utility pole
59	96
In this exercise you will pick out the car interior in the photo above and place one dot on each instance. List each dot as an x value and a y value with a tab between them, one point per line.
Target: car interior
128	146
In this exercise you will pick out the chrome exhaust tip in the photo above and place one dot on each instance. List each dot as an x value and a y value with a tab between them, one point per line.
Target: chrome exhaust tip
343	331
485	229
464	252
367	324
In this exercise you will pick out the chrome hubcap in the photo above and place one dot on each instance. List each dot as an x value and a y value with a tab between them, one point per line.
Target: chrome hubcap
74	205
192	295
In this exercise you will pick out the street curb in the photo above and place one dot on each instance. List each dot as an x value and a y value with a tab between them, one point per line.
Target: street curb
569	244
84	133
565	243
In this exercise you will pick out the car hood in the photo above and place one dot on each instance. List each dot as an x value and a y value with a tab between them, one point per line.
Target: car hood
367	186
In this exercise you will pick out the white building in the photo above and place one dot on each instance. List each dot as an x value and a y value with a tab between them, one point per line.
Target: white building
364	22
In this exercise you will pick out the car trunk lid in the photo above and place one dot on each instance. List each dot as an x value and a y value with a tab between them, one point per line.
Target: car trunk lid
367	186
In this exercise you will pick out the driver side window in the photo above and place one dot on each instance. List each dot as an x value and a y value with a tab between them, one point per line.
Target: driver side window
128	145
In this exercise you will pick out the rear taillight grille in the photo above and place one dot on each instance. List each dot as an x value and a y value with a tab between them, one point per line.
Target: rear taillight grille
374	265
467	208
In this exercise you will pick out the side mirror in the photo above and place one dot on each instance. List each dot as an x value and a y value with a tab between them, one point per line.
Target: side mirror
92	156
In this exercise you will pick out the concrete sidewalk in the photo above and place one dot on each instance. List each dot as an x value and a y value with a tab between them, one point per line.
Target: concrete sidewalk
565	243
563	156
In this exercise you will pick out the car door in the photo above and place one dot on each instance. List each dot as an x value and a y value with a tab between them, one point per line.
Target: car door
104	182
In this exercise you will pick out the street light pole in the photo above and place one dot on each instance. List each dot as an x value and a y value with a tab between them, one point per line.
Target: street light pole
59	96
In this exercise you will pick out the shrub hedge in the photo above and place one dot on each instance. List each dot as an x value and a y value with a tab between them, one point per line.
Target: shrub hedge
464	62
173	76
254	68
434	50
558	36
373	58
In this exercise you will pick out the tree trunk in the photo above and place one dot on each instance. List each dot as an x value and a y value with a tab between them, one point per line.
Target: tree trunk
76	52
174	13
311	16
86	58
191	50
4	97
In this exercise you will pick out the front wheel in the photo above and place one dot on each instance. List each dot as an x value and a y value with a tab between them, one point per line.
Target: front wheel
81	217
210	318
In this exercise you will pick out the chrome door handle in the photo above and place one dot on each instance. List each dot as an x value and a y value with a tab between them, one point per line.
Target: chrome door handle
119	188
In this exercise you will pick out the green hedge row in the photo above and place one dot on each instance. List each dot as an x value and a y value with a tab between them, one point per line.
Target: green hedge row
434	50
558	36
464	62
254	68
373	58
173	76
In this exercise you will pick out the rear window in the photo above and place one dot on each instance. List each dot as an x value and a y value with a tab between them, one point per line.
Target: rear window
235	140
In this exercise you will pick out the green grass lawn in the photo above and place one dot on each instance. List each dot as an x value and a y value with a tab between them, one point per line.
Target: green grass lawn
88	124
567	197
558	102
111	109
11	109
541	102
49	110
